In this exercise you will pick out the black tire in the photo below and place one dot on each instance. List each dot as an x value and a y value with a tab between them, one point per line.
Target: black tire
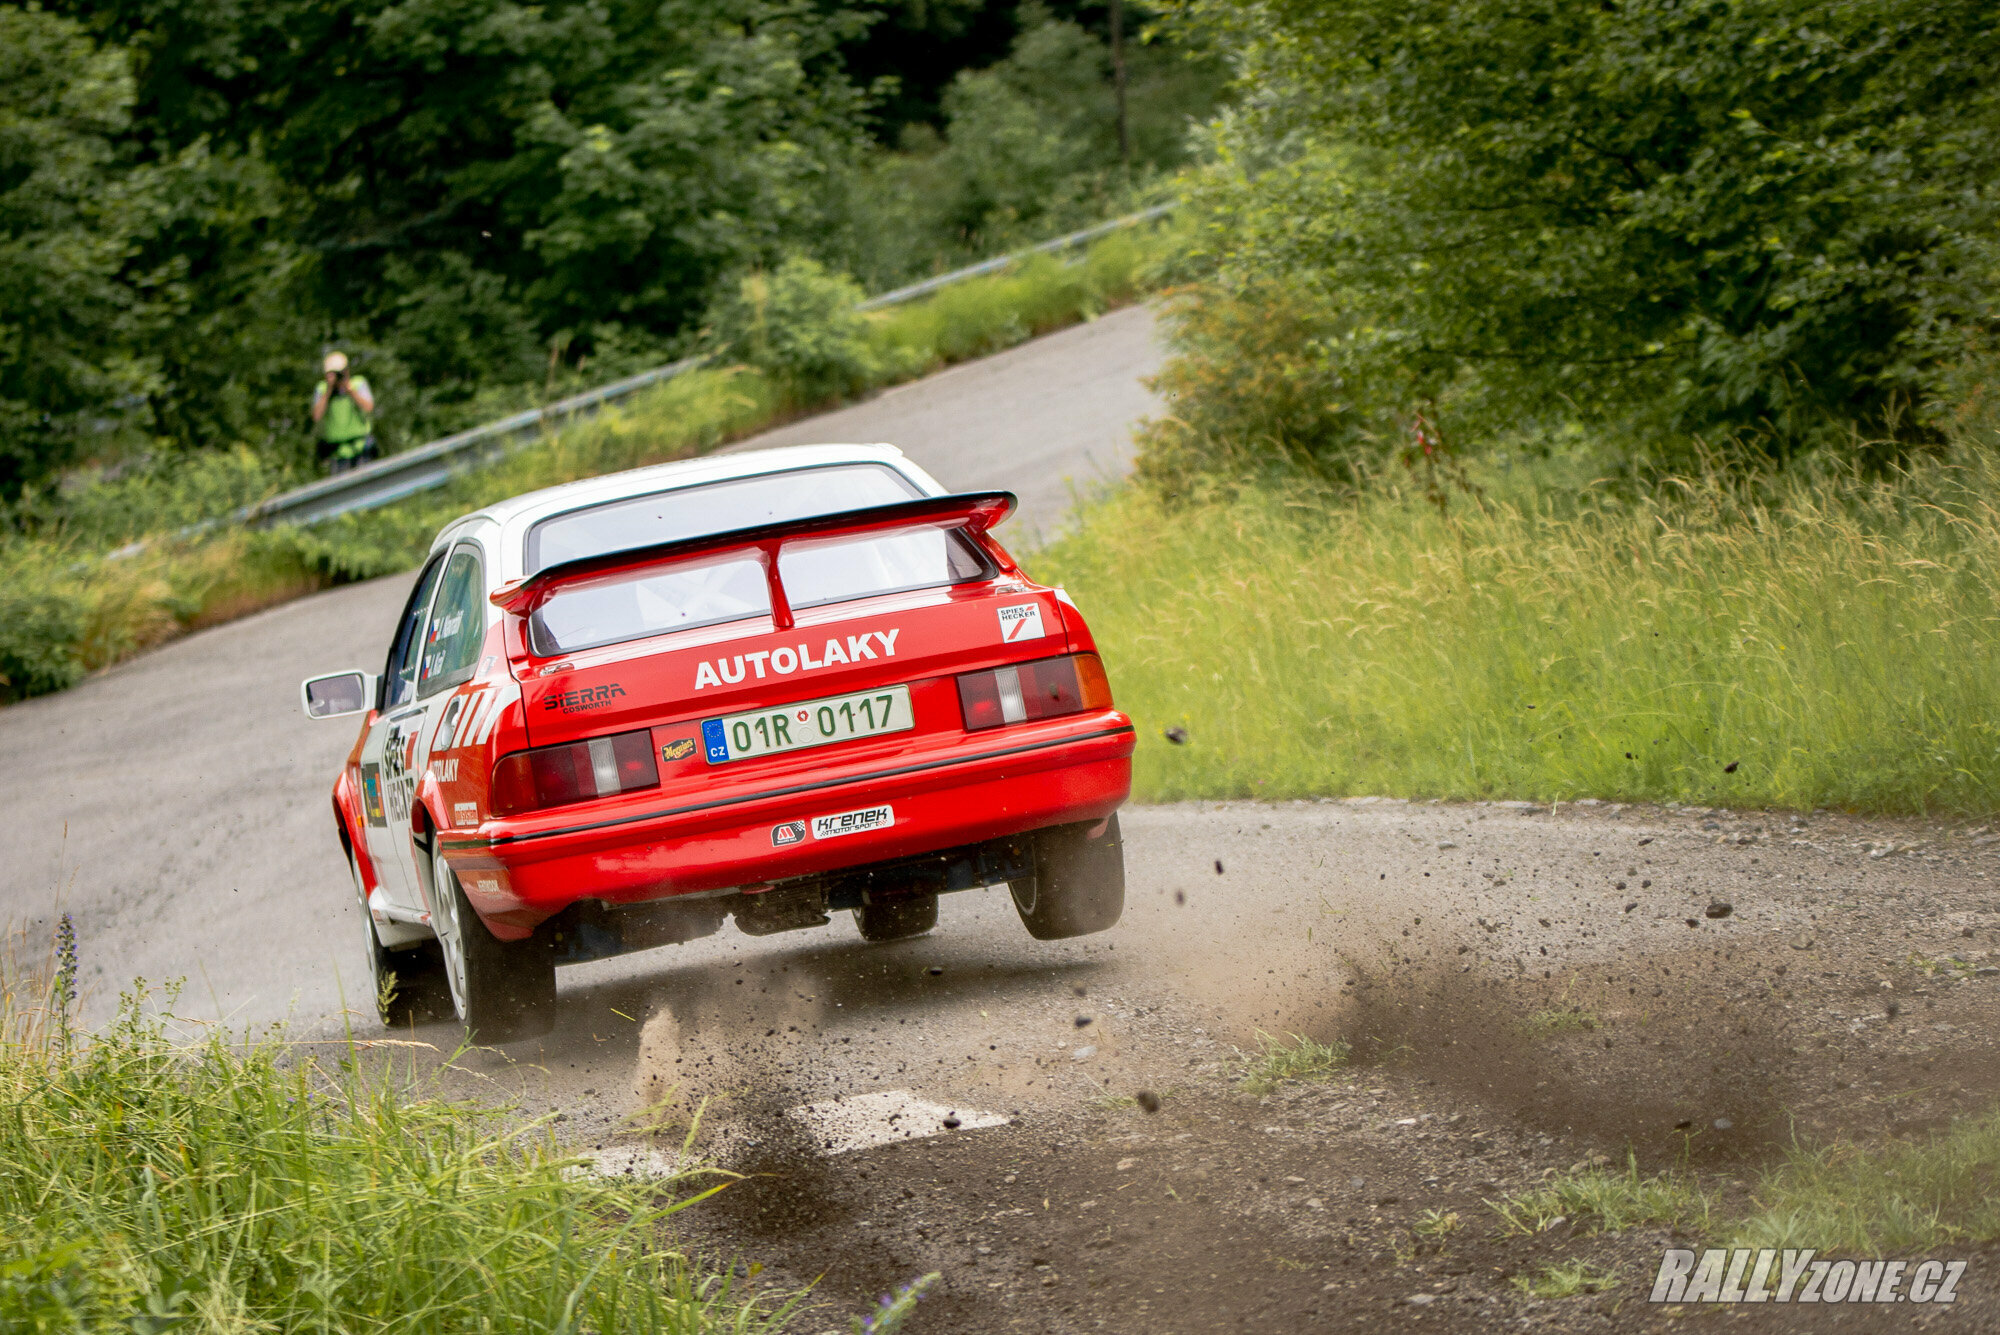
408	985
501	990
1079	882
897	919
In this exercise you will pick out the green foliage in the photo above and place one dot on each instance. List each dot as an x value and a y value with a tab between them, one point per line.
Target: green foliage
1026	147
1893	1199
150	1185
1294	1057
39	632
1799	643
1770	224
797	324
1566	1279
68	220
1608	1201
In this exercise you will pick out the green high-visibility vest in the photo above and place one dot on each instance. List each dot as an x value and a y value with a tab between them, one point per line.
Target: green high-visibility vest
344	420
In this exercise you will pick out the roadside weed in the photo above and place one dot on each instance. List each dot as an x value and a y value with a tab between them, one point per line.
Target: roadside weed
1566	1279
1547	1023
1294	1057
1437	1223
1891	1198
1611	1201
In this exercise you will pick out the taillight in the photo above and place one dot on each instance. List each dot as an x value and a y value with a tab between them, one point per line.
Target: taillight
1045	688
554	776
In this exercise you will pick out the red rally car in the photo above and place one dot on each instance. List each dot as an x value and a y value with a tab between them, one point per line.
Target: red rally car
759	686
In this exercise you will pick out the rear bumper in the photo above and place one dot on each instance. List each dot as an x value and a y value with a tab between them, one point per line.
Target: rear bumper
518	876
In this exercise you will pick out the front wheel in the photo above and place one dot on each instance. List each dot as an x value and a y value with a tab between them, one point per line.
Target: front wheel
502	990
409	984
1079	882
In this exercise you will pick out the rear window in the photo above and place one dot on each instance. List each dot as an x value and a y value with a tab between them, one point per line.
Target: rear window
717	507
634	604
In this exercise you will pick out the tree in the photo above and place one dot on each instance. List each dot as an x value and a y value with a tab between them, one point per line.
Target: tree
71	321
1770	221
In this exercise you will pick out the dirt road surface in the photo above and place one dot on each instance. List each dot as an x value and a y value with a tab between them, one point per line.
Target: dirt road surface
1523	991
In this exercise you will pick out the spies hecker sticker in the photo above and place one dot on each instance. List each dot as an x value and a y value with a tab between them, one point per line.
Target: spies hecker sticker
853	822
1021	623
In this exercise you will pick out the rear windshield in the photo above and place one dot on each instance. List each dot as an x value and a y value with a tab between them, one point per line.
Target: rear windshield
717	507
631	605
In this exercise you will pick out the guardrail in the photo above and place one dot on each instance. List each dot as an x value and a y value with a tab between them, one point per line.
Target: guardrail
433	464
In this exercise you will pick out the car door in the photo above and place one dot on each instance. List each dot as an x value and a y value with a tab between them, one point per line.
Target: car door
454	636
387	782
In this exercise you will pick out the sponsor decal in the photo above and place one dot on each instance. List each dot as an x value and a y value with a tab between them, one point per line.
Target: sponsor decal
790	658
1796	1275
575	702
791	832
853	822
1021	623
371	794
679	749
446	771
464	813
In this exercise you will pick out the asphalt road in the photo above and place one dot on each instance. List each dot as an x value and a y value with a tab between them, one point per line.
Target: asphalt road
177	805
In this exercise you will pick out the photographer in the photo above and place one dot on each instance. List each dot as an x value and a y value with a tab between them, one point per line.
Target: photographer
342	407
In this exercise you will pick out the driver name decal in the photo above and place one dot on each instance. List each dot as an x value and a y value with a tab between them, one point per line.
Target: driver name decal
787	659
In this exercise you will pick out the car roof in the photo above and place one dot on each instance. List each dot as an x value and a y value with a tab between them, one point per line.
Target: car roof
512	517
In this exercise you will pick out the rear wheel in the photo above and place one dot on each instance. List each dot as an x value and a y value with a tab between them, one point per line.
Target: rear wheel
408	984
502	990
897	919
1079	881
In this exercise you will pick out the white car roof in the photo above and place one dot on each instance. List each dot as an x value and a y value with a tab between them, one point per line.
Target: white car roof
513	517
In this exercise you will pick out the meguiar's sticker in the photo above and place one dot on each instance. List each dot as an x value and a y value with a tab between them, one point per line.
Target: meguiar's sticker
677	750
1021	623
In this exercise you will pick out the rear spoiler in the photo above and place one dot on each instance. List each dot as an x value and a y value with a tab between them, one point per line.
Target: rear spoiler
973	511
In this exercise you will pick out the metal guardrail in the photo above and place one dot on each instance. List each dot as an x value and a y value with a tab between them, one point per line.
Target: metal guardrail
433	464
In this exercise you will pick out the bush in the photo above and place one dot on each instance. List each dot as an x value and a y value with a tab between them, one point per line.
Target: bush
40	631
797	324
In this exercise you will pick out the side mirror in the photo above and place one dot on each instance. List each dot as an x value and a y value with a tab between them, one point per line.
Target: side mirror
338	694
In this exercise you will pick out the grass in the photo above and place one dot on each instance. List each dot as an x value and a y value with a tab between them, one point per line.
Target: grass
1794	642
1609	1201
1549	1023
1566	1279
65	612
149	1184
1895	1198
1294	1057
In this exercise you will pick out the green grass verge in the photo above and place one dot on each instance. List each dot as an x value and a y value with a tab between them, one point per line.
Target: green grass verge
150	1185
1807	643
1883	1198
65	612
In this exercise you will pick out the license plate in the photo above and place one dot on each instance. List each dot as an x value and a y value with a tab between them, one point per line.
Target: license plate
794	727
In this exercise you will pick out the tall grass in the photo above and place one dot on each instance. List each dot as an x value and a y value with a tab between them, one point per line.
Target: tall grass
148	1184
1797	642
65	612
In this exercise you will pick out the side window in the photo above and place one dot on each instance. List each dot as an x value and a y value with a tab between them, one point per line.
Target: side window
457	626
399	678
